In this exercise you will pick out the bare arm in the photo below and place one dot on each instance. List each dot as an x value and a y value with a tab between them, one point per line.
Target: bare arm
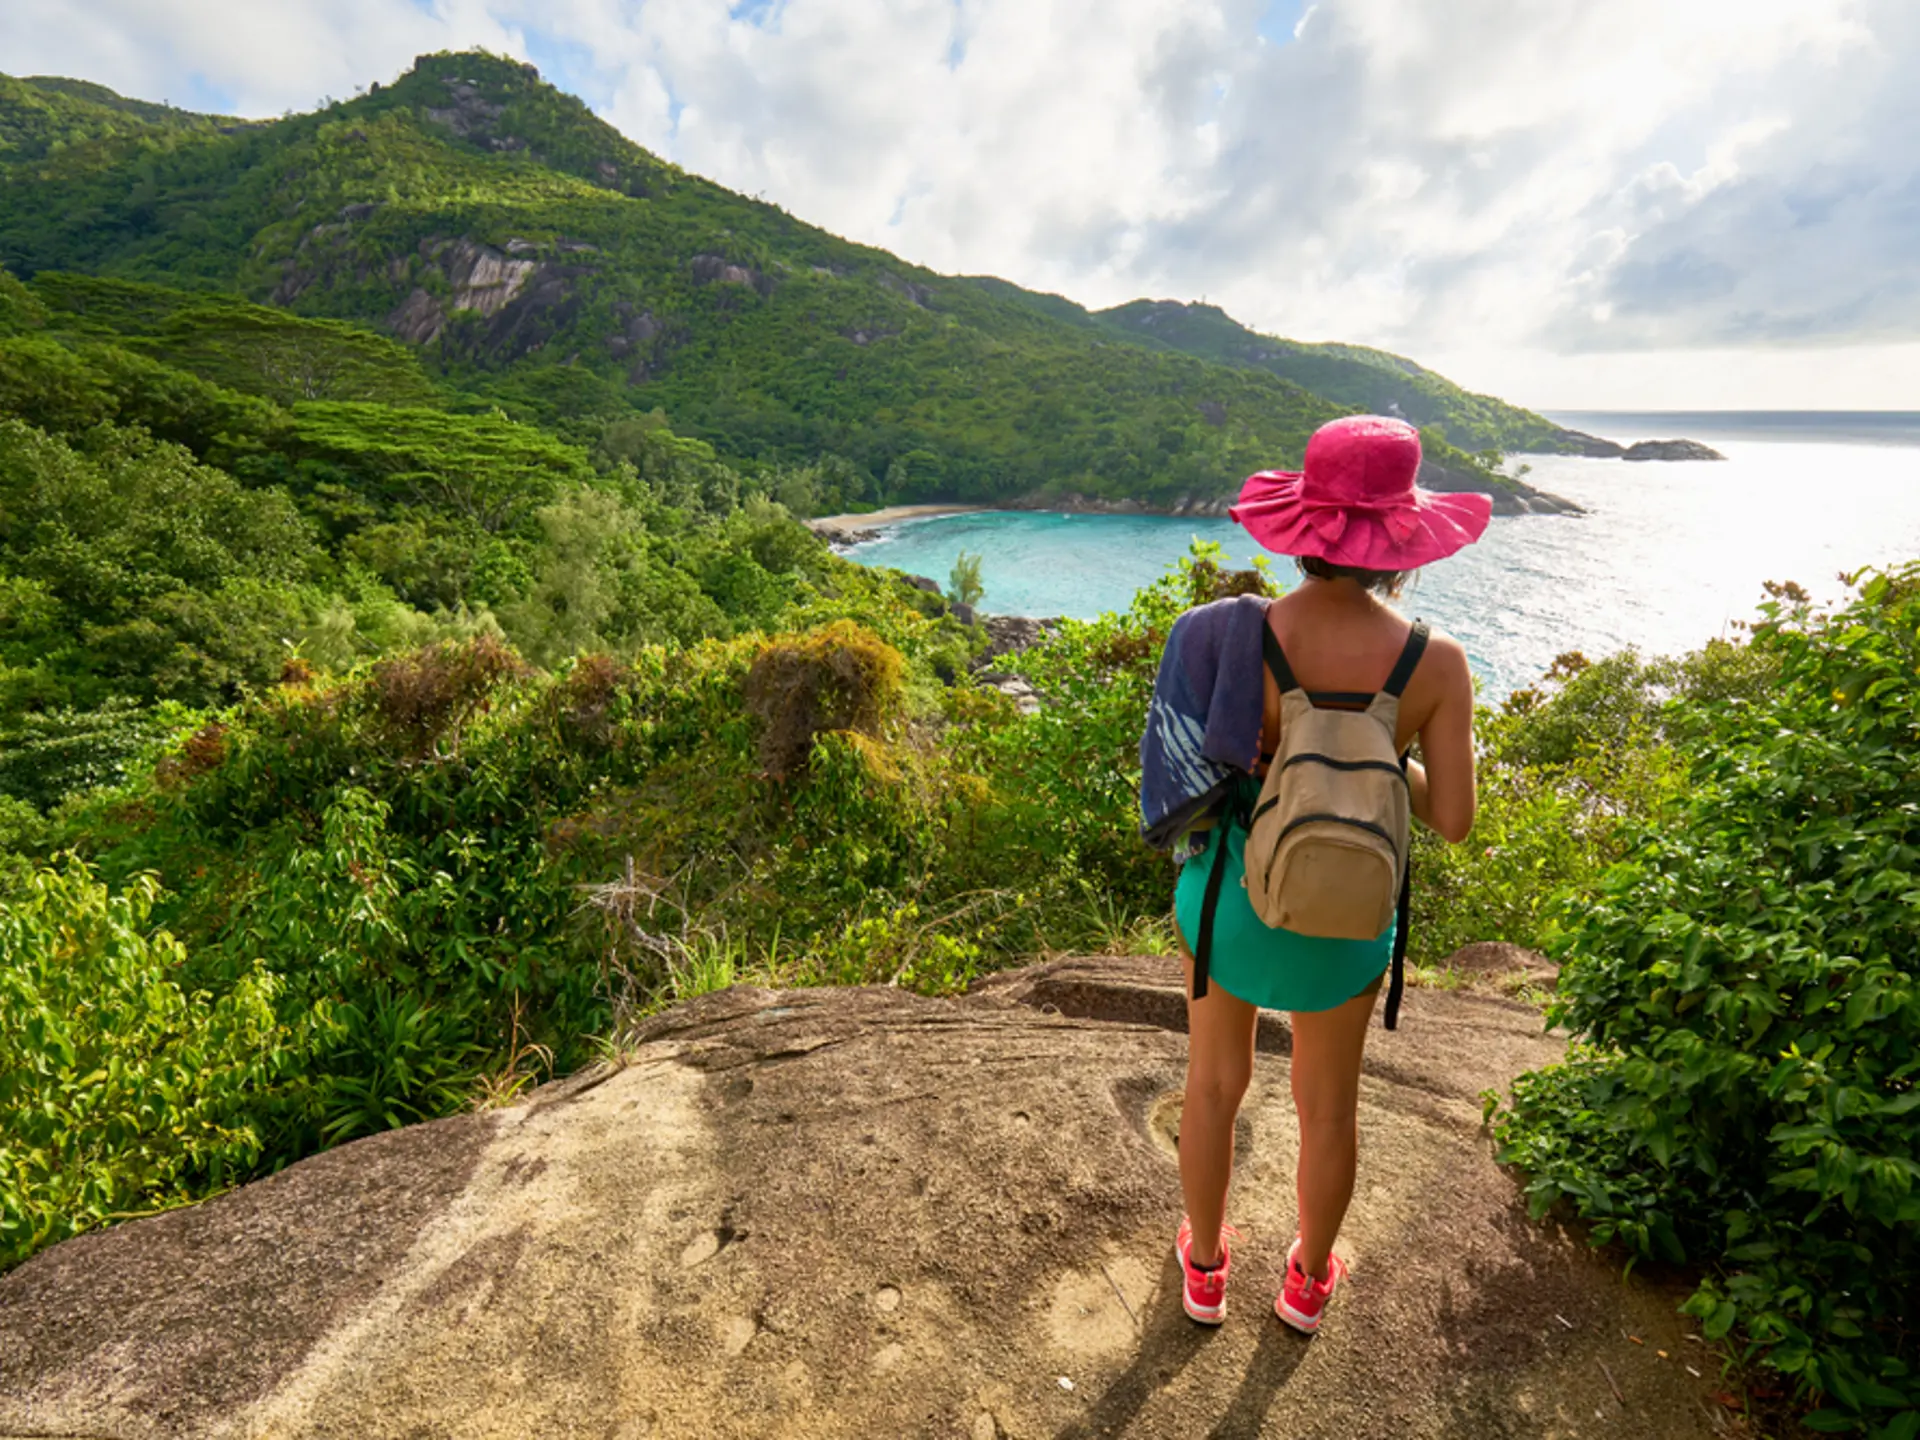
1444	796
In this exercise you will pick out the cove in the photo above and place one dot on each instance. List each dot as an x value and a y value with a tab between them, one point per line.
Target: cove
1667	557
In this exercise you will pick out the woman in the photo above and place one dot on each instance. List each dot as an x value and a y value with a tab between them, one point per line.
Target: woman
1357	524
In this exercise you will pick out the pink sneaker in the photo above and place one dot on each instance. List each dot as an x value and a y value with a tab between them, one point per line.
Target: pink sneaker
1204	1292
1303	1299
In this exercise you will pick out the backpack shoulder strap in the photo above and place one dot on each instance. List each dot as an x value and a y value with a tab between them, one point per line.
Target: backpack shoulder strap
1277	660
1416	646
1396	987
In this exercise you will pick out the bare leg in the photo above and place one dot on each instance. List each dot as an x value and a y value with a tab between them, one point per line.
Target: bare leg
1220	1031
1327	1045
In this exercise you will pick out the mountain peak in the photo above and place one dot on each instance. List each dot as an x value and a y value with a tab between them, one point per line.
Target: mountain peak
478	68
502	105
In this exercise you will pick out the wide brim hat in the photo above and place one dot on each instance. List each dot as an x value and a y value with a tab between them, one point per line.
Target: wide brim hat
1355	502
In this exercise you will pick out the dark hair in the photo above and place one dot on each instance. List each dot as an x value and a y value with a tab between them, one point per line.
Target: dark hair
1381	582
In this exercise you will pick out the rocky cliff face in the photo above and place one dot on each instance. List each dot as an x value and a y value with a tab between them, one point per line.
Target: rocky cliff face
859	1212
476	277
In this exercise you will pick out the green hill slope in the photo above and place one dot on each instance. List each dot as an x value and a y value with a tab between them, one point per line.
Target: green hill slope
1352	376
534	258
256	349
43	116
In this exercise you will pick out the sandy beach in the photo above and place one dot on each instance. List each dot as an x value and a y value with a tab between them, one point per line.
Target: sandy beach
846	528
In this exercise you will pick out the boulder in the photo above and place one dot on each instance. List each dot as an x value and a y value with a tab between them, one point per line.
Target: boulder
479	278
1009	634
718	270
841	535
1016	688
1504	966
862	1212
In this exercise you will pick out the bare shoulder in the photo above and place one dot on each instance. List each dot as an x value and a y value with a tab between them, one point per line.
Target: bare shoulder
1443	683
1448	658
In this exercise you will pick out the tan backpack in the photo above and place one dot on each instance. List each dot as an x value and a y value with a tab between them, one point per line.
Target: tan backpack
1327	841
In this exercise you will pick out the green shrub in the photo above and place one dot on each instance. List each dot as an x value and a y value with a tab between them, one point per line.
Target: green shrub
449	860
1066	781
1748	984
837	678
120	1091
1565	774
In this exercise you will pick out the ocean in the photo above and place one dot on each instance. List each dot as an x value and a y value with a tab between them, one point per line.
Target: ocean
1668	555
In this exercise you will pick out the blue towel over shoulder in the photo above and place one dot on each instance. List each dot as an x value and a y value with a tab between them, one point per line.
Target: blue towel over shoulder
1203	725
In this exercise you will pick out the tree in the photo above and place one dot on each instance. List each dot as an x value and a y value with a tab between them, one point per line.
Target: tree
964	586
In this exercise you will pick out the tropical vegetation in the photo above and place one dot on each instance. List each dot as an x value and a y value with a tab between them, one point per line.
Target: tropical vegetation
532	257
412	670
1746	988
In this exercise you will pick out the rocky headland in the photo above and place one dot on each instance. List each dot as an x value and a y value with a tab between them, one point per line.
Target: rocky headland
859	1212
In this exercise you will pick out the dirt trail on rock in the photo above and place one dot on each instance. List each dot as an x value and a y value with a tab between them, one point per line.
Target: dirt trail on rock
863	1213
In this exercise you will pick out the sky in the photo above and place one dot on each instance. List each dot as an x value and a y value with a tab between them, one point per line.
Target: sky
1641	204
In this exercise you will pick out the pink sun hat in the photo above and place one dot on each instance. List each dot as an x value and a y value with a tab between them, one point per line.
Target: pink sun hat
1354	501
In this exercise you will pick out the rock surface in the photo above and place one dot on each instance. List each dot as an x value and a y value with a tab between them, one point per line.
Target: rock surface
863	1213
840	535
478	278
1505	966
1010	634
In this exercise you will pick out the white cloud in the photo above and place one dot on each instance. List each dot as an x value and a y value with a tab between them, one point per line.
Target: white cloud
1470	179
1849	377
261	58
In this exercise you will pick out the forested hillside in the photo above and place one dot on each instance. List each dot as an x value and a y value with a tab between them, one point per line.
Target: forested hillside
198	496
44	116
1351	376
531	256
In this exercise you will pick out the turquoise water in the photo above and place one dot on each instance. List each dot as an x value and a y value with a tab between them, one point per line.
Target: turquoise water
1668	556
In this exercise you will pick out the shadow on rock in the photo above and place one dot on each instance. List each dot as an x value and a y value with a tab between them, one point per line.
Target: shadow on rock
1278	1355
1169	1341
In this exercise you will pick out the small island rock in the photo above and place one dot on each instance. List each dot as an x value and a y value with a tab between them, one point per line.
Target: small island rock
1598	447
1670	450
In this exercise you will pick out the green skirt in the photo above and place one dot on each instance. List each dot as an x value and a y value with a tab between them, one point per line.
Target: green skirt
1259	963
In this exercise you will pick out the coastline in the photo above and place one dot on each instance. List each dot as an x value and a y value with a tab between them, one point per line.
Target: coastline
1665	557
1511	494
1515	497
854	529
